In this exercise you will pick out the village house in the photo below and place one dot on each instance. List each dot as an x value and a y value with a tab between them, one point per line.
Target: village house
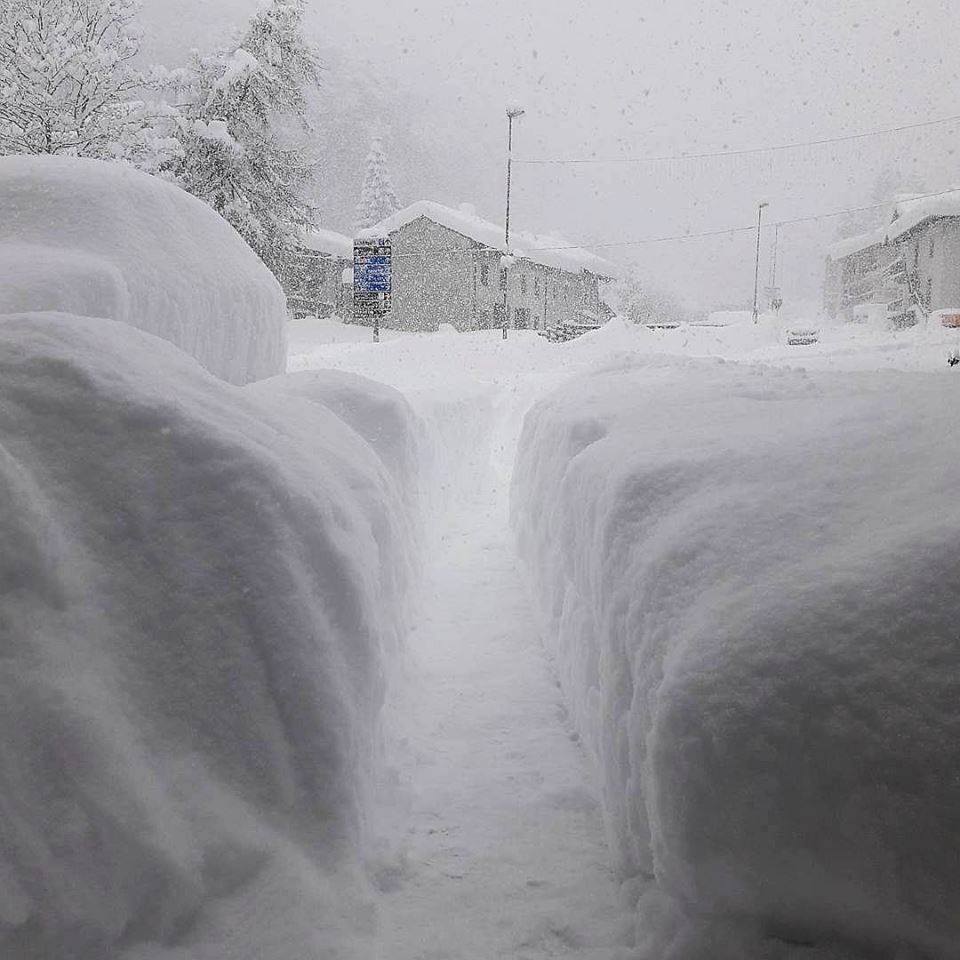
315	284
449	267
906	269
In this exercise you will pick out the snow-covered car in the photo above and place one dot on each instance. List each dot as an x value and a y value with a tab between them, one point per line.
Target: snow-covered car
802	336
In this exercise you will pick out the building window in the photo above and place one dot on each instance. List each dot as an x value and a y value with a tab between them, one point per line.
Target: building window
503	278
523	285
484	274
931	246
536	286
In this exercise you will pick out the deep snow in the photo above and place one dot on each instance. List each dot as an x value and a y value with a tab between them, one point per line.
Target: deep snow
778	544
203	590
749	579
101	239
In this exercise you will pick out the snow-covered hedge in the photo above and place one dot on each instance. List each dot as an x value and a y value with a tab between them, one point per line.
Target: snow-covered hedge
201	587
100	239
750	580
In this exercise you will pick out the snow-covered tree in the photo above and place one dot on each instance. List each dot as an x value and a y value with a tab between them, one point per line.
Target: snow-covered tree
66	77
634	300
235	107
377	197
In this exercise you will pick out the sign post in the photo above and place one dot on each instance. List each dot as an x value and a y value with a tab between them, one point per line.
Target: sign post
372	281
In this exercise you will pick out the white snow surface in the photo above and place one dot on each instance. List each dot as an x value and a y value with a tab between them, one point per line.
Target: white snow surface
202	590
748	576
101	239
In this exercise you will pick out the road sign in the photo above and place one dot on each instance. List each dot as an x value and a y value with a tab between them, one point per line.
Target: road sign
372	277
372	281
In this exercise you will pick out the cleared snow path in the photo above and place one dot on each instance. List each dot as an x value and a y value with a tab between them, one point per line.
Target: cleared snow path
492	843
502	852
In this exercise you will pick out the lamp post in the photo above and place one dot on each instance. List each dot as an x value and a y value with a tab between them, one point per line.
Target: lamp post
756	271
512	114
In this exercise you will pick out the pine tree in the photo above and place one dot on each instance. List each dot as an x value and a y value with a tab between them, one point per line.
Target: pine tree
234	105
377	198
66	77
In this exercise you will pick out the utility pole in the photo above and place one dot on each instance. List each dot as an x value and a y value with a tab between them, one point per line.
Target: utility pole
776	300
512	114
756	271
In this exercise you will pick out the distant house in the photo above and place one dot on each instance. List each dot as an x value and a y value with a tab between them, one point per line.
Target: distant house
906	269
449	266
925	232
315	284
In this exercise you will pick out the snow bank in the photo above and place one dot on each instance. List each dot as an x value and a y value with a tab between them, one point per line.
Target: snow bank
749	579
200	589
100	239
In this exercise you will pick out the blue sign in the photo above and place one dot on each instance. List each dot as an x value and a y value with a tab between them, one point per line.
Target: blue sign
372	271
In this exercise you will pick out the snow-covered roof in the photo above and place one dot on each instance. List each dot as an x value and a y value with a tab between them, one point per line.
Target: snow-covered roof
910	213
863	241
327	241
906	213
548	250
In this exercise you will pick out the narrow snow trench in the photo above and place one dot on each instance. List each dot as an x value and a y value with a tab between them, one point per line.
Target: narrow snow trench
496	843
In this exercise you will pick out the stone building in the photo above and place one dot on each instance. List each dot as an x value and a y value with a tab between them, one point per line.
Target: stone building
449	266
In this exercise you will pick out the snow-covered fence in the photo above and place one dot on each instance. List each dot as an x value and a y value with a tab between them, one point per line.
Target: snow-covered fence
750	581
101	239
201	589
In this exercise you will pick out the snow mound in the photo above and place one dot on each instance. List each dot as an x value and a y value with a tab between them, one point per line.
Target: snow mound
750	580
201	588
100	239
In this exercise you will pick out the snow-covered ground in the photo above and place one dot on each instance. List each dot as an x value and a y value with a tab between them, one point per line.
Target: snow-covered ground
749	579
206	594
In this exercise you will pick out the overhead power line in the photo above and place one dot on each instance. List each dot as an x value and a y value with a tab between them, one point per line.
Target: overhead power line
752	228
587	245
719	154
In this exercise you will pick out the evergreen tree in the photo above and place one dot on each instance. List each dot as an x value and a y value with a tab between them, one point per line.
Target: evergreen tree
377	198
233	106
66	77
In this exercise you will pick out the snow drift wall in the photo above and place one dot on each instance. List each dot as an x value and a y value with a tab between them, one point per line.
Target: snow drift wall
101	239
201	587
750	580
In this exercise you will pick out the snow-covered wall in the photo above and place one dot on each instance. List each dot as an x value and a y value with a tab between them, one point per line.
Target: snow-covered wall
750	581
201	590
101	239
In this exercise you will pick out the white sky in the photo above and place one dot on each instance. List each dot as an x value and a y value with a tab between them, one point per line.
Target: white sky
615	78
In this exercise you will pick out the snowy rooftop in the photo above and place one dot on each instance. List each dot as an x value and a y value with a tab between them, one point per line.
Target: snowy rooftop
910	213
550	250
862	241
328	241
906	213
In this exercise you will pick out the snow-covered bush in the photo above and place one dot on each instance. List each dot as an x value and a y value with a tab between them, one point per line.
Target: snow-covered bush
197	611
100	239
749	580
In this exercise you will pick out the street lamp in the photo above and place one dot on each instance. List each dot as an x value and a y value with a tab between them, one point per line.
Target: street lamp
512	114
756	272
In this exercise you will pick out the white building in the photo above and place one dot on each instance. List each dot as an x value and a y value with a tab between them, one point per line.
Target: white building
908	268
447	269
